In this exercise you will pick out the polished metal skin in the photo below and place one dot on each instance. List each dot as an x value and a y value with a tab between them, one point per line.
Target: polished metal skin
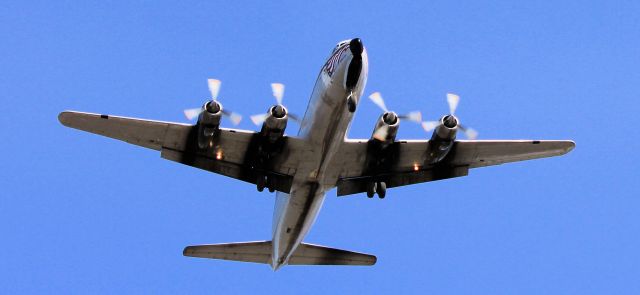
323	127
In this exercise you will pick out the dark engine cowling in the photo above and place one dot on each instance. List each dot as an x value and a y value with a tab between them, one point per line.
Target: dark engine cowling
443	138
275	123
208	123
386	128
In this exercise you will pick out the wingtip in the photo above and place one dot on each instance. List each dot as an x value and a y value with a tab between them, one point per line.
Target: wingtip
374	260
63	116
570	146
187	251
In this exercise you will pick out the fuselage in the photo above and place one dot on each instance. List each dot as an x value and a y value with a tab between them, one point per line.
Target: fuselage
323	127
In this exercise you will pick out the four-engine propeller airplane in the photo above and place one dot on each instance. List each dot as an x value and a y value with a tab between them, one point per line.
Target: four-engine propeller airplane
302	168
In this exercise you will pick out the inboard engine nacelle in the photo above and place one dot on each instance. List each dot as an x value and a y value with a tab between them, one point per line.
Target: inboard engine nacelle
386	128
275	123
444	135
208	123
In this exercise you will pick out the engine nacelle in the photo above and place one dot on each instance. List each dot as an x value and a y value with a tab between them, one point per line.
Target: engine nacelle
275	123
386	128
209	123
443	138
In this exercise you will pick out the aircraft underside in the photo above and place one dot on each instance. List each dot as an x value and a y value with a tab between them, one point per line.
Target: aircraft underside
301	169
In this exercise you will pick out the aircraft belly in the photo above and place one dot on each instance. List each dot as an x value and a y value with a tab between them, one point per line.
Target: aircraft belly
327	125
298	211
324	127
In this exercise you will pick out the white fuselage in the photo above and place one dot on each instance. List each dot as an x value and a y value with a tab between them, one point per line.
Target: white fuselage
324	127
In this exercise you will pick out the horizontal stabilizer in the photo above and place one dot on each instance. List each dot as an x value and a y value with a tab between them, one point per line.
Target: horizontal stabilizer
260	252
309	254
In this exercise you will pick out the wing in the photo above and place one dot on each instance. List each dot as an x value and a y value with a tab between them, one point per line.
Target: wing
231	156
406	161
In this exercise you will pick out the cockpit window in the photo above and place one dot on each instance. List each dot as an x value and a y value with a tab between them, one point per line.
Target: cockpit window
340	44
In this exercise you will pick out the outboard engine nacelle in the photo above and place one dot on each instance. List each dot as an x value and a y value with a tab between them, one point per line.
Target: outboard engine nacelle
275	123
386	128
443	138
209	123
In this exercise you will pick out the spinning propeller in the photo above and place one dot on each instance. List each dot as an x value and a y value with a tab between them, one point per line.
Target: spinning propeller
279	110
213	106
451	120
390	117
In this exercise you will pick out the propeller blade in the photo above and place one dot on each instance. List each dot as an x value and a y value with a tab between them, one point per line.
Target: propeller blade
294	117
192	113
414	116
214	88
235	118
381	133
430	125
376	97
259	119
278	91
453	100
469	132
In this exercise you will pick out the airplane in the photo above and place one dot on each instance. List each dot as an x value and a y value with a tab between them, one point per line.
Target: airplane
300	169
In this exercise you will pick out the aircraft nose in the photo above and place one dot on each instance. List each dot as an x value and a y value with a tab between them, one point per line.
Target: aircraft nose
356	46
355	66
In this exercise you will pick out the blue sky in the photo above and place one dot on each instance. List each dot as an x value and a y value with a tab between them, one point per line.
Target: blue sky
81	213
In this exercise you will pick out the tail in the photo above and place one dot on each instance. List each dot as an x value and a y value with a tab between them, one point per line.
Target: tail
260	252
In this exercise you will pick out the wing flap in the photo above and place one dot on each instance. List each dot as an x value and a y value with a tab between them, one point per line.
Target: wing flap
280	182
349	186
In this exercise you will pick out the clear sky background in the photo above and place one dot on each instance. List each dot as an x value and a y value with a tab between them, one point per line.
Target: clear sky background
80	213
